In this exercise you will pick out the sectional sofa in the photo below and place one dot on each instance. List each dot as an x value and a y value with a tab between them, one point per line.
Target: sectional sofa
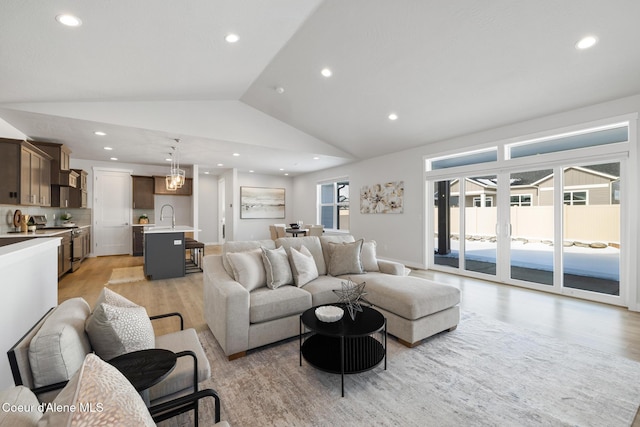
255	291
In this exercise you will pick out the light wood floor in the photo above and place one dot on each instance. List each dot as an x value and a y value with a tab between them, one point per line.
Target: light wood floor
610	329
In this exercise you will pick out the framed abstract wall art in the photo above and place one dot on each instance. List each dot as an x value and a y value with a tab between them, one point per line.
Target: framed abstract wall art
382	198
261	202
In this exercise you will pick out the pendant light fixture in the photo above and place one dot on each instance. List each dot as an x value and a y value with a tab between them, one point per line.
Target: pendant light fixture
175	179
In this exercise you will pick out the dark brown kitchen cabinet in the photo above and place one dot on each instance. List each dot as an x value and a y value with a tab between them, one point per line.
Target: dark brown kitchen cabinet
78	195
61	173
142	192
160	187
60	197
25	175
138	240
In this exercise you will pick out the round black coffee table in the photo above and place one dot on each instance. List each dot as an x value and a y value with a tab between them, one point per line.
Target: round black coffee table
145	368
346	346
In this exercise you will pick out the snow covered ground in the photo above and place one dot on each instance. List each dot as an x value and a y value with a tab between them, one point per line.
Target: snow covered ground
601	263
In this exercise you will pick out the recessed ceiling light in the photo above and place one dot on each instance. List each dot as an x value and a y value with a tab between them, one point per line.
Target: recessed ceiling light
281	169
114	158
316	158
69	20
220	165
231	38
206	173
236	154
108	148
168	159
393	116
586	42
286	174
99	133
279	90
251	171
326	72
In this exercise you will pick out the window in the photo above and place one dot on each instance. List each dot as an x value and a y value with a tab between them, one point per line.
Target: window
575	198
333	206
488	202
521	200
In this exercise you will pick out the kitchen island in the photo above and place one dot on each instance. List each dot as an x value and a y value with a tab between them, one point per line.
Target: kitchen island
164	251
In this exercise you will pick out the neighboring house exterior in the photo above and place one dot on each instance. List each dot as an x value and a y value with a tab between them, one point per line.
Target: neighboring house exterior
594	185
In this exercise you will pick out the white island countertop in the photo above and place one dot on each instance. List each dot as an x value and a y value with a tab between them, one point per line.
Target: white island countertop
168	229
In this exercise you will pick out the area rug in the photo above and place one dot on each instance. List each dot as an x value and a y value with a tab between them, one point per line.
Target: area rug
484	373
126	275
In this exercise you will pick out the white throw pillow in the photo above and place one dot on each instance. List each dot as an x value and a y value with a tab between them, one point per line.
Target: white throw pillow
106	396
305	269
369	257
248	268
276	265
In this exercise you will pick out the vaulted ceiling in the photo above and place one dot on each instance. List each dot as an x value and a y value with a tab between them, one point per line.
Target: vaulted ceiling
150	71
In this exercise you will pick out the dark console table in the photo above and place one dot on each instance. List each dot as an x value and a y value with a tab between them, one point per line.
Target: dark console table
346	346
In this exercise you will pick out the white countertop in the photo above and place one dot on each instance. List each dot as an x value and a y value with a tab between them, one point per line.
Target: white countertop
42	232
168	229
143	225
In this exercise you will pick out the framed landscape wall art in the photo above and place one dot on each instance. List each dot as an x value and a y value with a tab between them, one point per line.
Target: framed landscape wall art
382	198
261	202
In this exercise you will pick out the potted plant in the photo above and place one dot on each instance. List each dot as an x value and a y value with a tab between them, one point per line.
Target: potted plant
143	219
66	217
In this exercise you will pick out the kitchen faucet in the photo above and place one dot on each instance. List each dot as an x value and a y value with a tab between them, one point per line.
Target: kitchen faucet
173	215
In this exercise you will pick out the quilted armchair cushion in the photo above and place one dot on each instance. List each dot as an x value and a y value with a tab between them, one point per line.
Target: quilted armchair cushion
58	349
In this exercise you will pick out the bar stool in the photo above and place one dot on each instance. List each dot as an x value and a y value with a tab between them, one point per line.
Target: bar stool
196	253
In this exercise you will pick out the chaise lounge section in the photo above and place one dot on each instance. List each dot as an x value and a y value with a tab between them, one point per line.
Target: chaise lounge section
244	311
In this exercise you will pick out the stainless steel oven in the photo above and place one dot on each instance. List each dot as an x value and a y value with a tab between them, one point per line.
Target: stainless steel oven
80	246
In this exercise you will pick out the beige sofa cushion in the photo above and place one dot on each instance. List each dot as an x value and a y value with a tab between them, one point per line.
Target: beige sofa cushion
303	266
58	349
344	258
322	288
407	296
248	268
369	257
325	240
181	377
114	400
269	304
24	397
242	246
276	265
310	242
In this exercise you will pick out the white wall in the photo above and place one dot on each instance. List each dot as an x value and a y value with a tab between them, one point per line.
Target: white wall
27	292
254	229
402	236
8	131
208	209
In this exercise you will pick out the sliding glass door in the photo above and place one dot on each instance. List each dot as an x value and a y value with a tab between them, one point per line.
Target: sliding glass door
555	229
531	226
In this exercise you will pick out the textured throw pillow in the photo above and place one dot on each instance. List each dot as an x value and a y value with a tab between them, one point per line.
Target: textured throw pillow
248	268
118	325
345	258
304	266
276	265
100	396
116	330
368	256
113	298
